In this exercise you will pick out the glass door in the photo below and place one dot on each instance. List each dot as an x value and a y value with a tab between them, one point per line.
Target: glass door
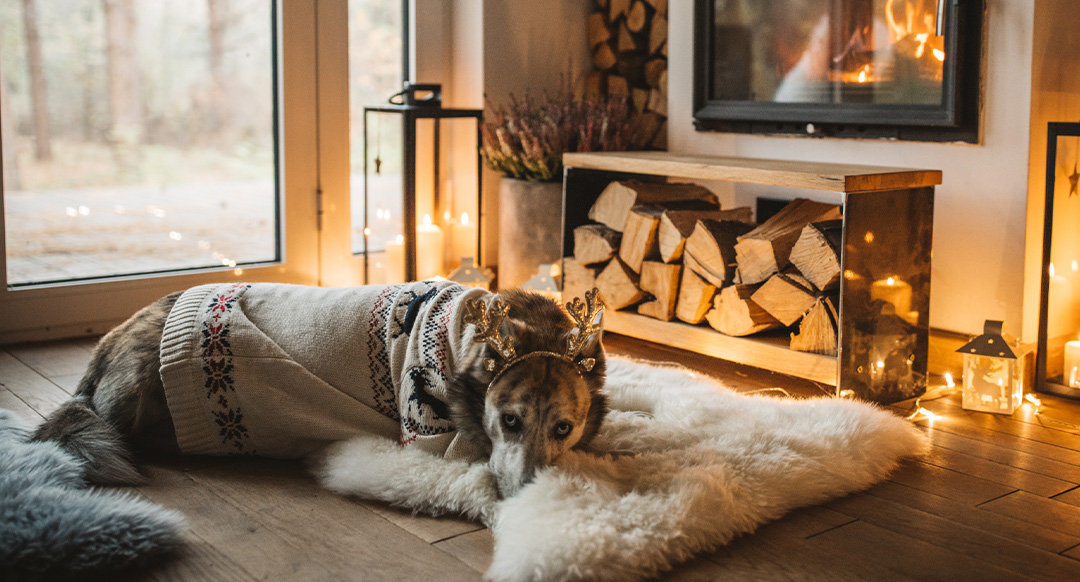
148	146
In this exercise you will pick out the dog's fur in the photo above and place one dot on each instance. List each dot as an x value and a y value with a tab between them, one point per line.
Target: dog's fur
518	422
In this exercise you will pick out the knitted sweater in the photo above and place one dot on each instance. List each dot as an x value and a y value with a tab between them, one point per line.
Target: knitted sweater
283	370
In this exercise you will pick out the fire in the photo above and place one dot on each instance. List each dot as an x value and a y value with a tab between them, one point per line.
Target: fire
916	26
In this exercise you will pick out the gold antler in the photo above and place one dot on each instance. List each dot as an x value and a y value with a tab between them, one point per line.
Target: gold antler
487	324
585	314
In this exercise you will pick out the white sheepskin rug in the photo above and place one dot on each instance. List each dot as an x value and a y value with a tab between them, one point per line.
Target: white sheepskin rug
684	466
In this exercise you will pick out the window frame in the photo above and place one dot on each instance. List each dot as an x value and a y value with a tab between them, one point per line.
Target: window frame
51	311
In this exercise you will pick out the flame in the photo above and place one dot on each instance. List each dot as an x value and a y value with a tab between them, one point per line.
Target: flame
918	24
465	218
864	74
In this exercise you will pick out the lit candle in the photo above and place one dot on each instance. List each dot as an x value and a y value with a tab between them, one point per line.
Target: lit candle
429	250
894	291
1072	363
464	237
395	261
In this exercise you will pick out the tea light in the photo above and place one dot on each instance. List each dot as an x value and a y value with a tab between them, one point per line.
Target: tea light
395	261
429	250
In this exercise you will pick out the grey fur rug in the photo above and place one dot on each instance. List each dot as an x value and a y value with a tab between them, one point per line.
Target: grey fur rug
53	527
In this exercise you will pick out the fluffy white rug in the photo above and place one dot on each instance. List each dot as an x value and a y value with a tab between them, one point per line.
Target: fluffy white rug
688	465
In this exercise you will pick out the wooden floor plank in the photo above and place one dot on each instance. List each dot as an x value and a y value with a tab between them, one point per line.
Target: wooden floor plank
1047	513
197	559
978	544
32	388
1015	443
1022	531
948	483
339	533
15	404
429	529
474	549
58	358
911	557
233	532
1000	452
1072	497
994	471
1023	423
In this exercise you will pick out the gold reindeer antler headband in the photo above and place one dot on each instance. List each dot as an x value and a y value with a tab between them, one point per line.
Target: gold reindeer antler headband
488	319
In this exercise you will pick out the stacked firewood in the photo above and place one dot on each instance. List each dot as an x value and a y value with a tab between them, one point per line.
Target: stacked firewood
628	39
669	251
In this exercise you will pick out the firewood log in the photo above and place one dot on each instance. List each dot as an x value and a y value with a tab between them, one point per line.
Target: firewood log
785	297
639	236
660	280
617	8
640	98
653	69
617	86
618	285
635	18
661	84
734	313
576	278
676	225
659	5
595	243
658	33
817	331
711	249
695	297
766	249
594	85
817	253
626	40
657	102
614	203
598	30
603	57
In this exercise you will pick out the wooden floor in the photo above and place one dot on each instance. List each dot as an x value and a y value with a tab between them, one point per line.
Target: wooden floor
998	499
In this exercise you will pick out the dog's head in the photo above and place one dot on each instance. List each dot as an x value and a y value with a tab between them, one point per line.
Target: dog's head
527	407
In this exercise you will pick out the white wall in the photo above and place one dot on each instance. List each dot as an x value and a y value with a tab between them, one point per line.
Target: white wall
980	208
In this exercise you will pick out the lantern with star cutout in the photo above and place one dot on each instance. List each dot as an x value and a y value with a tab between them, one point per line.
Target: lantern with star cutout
994	366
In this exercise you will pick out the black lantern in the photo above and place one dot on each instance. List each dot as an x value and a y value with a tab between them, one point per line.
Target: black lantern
1057	364
414	105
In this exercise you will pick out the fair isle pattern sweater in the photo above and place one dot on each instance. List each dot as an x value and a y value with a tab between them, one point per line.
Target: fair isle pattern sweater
282	370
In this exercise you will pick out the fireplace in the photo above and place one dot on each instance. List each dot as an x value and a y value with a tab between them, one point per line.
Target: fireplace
902	69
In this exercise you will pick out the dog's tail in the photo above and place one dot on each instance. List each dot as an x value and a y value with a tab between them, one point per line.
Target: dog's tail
79	430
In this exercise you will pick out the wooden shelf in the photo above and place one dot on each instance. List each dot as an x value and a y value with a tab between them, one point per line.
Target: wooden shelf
770	353
812	175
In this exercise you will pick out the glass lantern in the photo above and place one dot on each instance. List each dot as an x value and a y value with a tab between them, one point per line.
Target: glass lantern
994	365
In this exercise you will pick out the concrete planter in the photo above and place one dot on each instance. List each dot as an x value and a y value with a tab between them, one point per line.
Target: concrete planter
530	228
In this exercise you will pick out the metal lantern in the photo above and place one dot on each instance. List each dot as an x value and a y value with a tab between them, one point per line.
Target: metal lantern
418	103
994	365
469	274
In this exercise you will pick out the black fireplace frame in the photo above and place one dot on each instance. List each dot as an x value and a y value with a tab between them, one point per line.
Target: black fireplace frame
956	119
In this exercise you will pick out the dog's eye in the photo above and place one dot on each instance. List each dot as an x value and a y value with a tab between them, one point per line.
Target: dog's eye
562	429
511	422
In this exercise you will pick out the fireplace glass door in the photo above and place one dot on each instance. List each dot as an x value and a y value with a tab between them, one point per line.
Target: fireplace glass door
863	64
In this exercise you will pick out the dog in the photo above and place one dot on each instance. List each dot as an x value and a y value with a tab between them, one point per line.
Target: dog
273	370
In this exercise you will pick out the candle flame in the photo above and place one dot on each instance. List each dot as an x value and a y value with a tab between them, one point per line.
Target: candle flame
427	220
949	380
400	238
890	281
465	220
1075	266
1051	269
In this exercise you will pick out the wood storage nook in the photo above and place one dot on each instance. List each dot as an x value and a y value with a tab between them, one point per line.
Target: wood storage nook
832	286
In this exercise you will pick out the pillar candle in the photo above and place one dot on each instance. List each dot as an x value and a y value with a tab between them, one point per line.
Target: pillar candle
894	291
429	250
1072	363
463	235
395	261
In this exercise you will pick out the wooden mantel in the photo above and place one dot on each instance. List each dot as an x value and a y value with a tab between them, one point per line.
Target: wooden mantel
812	175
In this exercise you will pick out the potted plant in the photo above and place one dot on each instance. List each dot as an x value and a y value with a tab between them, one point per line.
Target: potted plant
525	139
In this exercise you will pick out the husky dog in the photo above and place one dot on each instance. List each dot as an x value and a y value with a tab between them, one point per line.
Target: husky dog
284	370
